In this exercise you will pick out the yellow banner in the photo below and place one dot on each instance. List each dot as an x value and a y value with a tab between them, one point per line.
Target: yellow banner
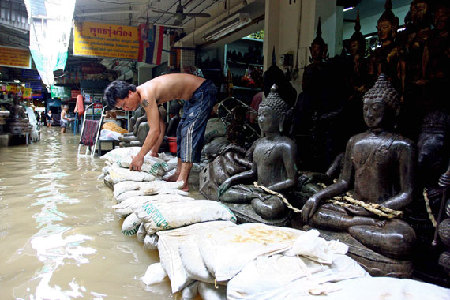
15	57
105	40
11	88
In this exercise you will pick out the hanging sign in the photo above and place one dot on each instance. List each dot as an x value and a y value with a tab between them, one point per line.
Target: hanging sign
15	57
105	40
27	93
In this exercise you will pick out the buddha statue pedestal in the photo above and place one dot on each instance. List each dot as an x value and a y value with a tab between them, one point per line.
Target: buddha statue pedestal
246	214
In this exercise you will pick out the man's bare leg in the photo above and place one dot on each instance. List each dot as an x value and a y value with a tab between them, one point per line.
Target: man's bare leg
174	176
184	175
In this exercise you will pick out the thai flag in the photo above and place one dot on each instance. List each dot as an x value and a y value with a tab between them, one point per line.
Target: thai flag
150	43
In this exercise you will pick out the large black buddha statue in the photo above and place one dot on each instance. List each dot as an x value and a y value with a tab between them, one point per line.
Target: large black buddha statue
378	166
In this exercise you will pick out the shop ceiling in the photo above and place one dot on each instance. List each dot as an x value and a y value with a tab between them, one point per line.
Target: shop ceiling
14	27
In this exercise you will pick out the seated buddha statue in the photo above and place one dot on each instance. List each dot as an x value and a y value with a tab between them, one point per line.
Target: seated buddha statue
272	158
378	166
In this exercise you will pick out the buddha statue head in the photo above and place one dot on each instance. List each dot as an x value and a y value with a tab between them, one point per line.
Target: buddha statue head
318	49
357	41
272	112
387	24
420	13
381	104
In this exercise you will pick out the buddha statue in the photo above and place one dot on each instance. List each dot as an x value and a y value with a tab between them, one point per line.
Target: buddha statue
318	111
411	43
385	58
272	158
378	165
358	82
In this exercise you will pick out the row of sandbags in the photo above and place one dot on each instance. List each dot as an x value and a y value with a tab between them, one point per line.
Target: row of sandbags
203	252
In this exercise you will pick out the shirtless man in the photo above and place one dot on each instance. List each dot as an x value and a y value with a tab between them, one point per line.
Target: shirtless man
201	97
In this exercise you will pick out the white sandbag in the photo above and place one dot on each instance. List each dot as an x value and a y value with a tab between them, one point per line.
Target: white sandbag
124	190
124	156
387	288
118	174
131	224
209	291
190	292
227	251
133	204
151	241
310	245
168	247
286	277
141	233
164	216
154	274
193	262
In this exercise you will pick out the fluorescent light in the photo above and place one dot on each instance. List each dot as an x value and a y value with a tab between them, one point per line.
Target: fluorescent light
16	81
227	26
348	8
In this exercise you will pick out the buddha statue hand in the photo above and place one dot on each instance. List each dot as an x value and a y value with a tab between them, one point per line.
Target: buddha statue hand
223	187
309	209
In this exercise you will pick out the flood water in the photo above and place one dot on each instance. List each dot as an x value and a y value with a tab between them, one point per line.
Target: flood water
59	237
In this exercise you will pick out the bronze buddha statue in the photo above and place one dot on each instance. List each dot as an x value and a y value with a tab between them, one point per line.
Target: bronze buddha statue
378	165
273	163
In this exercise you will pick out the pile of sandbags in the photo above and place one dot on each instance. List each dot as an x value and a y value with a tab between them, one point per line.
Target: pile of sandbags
203	252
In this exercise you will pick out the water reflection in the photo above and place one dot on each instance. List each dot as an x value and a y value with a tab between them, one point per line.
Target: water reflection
59	238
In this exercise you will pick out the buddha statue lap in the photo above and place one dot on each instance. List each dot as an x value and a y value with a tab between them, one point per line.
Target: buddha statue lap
378	165
273	164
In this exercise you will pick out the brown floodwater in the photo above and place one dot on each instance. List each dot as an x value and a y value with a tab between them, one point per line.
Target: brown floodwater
59	237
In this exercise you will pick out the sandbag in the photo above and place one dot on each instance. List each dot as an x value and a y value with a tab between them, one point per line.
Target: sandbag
117	174
287	277
131	224
154	274
133	204
124	190
168	247
158	216
210	291
381	288
150	241
124	156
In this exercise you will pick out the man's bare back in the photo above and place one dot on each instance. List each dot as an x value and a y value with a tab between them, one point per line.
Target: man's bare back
171	86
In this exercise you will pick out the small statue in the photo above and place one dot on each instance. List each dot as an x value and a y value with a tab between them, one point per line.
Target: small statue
273	163
385	58
378	165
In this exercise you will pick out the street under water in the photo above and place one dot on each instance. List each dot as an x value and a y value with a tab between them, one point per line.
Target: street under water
59	237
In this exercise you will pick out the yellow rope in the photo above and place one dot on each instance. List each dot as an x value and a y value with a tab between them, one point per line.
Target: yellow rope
279	196
427	205
374	208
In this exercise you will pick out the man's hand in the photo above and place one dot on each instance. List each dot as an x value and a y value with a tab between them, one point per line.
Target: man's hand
136	163
224	187
309	209
154	153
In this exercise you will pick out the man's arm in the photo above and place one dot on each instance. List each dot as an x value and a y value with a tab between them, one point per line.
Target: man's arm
151	109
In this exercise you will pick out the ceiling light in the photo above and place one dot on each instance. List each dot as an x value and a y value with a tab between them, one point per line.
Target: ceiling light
227	26
16	81
348	8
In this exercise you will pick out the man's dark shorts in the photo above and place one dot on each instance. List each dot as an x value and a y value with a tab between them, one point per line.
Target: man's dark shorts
191	128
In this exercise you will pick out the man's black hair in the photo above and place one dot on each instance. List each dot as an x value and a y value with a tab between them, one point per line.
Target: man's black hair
117	90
